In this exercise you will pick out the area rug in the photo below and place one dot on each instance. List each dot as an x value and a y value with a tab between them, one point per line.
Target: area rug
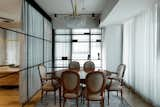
115	101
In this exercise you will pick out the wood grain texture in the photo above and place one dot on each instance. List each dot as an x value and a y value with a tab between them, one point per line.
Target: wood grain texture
11	80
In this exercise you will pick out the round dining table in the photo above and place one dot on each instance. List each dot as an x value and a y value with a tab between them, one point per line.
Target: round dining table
57	74
81	73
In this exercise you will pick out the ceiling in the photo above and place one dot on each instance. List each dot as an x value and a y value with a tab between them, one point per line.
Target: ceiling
65	7
126	9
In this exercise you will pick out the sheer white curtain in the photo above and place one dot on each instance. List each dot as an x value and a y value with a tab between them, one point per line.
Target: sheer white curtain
140	54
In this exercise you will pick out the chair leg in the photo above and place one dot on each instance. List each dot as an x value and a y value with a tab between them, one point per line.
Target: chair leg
77	101
83	98
108	97
88	103
42	95
64	102
55	97
117	93
60	96
121	93
46	93
102	103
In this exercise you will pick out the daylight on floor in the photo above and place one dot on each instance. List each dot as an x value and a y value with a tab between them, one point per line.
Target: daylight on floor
79	53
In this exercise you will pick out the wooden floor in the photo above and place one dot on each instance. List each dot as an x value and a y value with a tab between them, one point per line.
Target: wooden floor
10	98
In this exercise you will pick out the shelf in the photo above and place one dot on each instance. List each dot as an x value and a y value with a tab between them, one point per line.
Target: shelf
78	59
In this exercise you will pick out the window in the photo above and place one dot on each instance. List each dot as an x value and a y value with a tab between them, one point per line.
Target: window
78	45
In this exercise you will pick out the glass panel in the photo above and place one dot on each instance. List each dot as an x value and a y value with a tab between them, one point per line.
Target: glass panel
62	31
47	30
47	51
80	38
83	44
96	31
35	23
62	38
62	50
35	51
80	31
94	38
62	63
80	48
96	50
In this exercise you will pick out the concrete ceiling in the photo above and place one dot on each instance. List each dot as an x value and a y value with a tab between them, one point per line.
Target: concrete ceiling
65	7
126	9
10	9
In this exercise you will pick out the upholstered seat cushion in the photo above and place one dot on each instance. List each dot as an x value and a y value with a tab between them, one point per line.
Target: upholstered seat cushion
72	95
51	85
116	85
95	96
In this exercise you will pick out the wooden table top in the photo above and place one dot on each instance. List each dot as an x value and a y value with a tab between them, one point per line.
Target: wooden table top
8	70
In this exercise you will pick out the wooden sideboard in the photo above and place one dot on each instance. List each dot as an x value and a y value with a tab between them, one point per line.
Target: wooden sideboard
11	80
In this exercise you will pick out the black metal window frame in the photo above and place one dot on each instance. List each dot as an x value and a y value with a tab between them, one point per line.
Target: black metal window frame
71	44
27	36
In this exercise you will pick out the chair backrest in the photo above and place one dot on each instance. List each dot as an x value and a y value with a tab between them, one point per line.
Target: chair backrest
121	70
95	82
89	66
70	81
74	65
42	71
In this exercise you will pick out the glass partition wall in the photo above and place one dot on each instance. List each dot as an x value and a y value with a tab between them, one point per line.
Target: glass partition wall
25	48
77	45
38	30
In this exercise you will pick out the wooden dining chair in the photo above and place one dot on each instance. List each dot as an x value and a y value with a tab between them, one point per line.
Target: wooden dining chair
47	83
74	65
95	87
89	66
116	80
71	86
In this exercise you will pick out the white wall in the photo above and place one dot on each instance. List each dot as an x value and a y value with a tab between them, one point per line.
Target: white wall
126	9
112	47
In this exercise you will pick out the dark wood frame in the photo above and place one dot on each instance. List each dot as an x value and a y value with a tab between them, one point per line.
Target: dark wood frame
76	69
75	90
116	79
48	79
88	70
102	89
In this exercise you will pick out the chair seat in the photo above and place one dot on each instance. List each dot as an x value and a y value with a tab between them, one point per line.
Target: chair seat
72	95
51	85
95	96
116	85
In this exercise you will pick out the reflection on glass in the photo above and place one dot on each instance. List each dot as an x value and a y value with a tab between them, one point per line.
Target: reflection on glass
11	47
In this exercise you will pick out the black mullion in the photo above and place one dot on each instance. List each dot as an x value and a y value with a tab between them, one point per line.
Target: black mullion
25	34
75	34
27	51
43	41
90	43
71	44
53	48
39	9
101	48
